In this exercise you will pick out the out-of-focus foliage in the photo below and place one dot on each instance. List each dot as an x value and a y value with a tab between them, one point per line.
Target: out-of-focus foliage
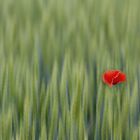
52	56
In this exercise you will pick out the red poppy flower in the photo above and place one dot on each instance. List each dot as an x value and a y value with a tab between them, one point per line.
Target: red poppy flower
113	77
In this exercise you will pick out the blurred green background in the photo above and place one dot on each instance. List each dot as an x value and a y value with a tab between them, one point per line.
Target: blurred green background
52	56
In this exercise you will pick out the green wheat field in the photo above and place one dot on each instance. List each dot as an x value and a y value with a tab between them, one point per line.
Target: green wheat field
52	57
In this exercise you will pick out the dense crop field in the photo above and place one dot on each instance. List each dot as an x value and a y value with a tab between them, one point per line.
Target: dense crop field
52	57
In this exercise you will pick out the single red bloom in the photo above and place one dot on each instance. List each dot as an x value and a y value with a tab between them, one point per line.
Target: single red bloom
113	77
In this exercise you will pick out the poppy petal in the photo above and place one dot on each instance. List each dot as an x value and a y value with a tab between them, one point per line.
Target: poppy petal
109	75
121	78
